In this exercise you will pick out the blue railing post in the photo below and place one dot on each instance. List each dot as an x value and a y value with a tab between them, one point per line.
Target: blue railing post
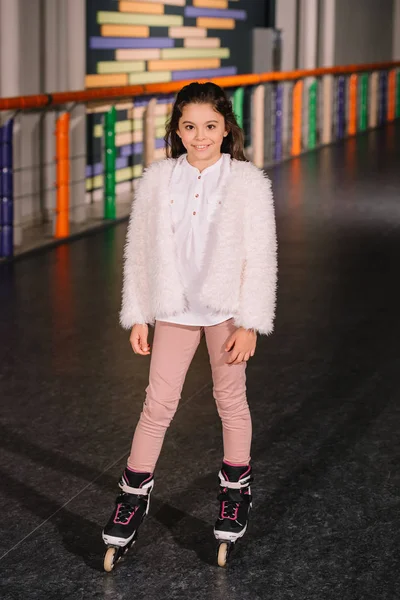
383	93
6	191
341	108
278	121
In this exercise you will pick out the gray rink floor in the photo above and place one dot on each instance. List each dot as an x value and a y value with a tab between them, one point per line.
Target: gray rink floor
323	390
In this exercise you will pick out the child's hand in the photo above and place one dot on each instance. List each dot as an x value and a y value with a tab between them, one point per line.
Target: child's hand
138	339
242	345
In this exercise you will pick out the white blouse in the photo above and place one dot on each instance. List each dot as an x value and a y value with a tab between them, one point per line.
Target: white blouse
194	200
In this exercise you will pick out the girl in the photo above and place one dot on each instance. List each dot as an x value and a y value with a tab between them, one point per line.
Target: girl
200	258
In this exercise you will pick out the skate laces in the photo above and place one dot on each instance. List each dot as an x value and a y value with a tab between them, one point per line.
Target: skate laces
230	503
126	508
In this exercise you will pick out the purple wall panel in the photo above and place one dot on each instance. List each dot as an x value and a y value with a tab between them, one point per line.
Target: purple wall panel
103	43
238	15
203	73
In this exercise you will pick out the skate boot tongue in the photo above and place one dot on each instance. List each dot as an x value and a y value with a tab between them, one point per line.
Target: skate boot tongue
234	473
135	479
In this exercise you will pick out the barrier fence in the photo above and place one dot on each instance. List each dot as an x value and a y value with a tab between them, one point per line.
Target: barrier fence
282	114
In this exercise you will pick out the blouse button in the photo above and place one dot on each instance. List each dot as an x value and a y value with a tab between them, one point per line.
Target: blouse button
172	201
199	177
196	195
194	213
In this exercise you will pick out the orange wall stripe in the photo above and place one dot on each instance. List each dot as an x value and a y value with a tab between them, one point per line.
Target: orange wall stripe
141	7
392	95
141	31
181	65
211	3
93	81
353	90
215	23
296	118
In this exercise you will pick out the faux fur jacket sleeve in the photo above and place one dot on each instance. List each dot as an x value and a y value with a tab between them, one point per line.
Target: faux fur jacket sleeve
259	279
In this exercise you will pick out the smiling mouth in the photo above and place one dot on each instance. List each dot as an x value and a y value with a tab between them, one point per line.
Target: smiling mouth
202	146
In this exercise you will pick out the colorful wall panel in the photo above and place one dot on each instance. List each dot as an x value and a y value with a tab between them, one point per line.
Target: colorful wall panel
150	41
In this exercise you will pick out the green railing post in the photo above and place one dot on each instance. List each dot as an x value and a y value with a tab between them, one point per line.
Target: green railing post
363	114
312	115
237	102
110	157
398	94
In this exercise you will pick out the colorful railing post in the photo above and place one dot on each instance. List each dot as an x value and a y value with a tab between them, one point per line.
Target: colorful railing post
382	107
237	102
312	115
6	190
297	117
327	113
373	100
278	130
363	109
398	95
110	158
391	112
257	125
341	107
353	92
149	135
63	171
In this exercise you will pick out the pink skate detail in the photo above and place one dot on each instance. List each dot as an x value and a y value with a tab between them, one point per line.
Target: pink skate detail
245	473
224	516
117	522
137	473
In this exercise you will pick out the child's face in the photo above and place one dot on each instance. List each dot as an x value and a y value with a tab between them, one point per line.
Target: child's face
202	130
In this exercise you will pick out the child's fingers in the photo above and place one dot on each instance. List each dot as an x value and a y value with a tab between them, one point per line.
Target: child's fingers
229	344
144	346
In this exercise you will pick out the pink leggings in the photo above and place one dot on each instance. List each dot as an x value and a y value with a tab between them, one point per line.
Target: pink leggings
173	349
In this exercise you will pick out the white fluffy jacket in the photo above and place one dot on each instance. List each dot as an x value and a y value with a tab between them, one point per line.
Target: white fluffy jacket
242	266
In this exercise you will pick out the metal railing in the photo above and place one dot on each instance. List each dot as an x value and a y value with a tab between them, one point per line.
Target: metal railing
283	114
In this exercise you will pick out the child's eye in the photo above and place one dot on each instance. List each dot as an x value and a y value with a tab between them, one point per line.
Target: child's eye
211	126
188	127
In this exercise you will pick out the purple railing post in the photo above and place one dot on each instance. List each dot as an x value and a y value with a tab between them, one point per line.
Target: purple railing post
341	107
383	89
278	122
6	191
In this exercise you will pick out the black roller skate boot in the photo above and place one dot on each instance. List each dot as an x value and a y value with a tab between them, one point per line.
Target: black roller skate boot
131	507
235	504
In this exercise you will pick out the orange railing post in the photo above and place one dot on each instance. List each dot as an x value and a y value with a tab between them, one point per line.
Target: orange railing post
297	118
392	95
63	171
353	89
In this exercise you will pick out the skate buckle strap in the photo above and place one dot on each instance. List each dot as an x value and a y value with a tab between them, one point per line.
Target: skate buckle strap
143	491
235	485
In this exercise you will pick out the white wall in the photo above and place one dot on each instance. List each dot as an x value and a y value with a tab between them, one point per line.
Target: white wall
43	50
363	31
396	30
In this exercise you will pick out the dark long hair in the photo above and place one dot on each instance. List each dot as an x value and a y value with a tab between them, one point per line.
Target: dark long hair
204	93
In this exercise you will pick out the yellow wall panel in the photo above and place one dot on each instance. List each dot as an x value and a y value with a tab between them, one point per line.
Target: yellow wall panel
183	53
141	7
105	17
182	32
141	31
139	78
93	81
202	43
132	66
181	65
215	23
211	3
138	54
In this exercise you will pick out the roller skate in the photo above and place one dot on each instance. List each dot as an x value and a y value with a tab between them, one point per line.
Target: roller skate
131	507
235	504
